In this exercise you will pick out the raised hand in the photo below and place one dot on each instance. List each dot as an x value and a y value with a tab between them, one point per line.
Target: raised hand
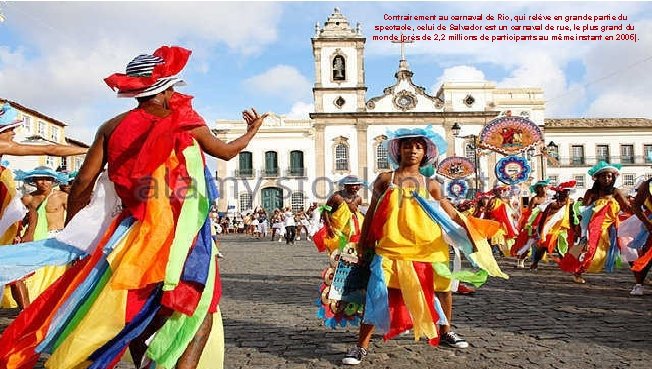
253	119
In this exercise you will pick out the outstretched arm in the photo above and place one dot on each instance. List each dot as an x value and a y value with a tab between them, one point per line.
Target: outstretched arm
223	150
16	149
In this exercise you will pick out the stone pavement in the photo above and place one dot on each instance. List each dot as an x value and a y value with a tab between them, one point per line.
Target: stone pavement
532	320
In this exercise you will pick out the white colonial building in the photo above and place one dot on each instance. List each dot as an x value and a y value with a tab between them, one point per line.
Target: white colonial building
578	144
295	162
41	129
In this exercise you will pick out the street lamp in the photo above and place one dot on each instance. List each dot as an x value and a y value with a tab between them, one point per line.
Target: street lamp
456	129
532	152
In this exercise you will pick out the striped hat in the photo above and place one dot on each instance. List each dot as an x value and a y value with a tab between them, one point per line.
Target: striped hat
8	117
148	75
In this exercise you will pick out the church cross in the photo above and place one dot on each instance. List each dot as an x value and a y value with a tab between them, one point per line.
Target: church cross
403	40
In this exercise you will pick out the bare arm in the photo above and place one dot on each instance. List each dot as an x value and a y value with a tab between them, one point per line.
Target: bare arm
16	149
333	202
625	206
642	192
380	186
435	191
32	217
82	187
223	150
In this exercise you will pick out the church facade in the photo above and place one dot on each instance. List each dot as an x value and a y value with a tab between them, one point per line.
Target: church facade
292	163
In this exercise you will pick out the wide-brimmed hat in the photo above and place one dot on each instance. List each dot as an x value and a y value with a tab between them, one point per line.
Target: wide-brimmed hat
350	180
603	166
435	144
39	172
542	183
8	117
148	75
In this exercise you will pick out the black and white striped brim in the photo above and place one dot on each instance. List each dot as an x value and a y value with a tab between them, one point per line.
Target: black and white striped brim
143	66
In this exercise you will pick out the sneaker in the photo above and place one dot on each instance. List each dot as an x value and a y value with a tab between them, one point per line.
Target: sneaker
637	290
354	356
298	238
520	263
220	255
452	339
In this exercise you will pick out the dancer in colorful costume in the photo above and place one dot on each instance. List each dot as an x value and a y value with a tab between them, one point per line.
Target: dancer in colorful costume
12	209
529	222
408	226
557	226
342	302
634	234
47	214
501	211
148	280
599	223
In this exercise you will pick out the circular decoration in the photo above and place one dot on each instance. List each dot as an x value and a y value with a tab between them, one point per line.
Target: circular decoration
405	100
455	167
457	188
510	135
513	170
335	258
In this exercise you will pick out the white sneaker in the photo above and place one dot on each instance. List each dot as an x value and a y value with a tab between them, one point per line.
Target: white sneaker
520	263
354	356
298	238
452	339
637	290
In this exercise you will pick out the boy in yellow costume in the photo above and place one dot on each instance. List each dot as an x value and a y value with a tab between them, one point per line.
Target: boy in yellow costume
409	285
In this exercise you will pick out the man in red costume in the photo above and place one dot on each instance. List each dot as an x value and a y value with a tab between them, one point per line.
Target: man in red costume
166	275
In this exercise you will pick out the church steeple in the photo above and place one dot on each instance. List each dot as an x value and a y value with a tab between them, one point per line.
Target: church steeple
338	50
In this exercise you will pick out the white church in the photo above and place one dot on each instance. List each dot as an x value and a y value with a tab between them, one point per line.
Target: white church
296	162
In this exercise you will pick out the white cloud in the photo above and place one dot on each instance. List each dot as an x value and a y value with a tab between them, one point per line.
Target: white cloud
300	110
281	81
540	70
70	47
459	73
620	105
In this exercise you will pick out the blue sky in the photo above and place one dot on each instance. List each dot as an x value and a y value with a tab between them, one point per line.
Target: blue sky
54	55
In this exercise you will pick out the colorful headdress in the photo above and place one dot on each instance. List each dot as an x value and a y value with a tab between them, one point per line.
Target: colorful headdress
148	75
565	186
436	145
542	183
603	166
42	171
8	117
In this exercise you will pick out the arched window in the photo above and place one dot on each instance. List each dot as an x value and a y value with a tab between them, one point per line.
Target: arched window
245	166
245	202
339	68
382	162
342	157
297	201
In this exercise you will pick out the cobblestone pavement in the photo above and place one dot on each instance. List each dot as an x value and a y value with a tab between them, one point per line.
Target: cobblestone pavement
532	320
